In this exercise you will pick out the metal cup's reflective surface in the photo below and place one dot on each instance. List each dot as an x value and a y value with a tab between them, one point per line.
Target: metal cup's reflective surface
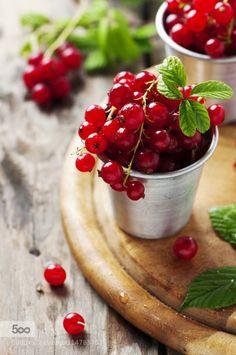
168	201
200	67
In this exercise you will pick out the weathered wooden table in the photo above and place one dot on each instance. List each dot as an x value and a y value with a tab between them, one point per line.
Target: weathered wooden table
32	147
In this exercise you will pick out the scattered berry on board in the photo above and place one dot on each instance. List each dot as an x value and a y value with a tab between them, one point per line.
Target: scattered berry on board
203	26
55	275
74	323
185	248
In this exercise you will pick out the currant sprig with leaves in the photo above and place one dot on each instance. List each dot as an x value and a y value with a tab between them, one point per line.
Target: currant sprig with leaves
193	115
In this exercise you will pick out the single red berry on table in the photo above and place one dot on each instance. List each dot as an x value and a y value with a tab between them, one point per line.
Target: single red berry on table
147	161
217	114
112	172
123	75
55	275
160	140
181	34
132	116
135	190
85	162
74	323
60	87
71	57
143	80
96	143
35	59
86	128
41	94
110	129
214	47
196	20
119	95
31	76
157	115
185	248
222	13
95	114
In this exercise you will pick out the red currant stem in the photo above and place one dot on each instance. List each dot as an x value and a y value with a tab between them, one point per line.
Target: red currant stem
34	42
229	32
81	323
144	97
79	151
111	111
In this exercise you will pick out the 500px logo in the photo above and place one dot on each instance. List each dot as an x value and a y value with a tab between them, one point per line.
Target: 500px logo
20	329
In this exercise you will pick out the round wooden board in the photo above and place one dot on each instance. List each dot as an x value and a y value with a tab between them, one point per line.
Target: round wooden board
142	279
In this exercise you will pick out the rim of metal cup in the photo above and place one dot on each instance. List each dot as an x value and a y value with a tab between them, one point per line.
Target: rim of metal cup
188	169
167	39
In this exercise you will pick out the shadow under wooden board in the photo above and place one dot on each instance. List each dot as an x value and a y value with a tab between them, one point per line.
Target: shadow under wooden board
141	279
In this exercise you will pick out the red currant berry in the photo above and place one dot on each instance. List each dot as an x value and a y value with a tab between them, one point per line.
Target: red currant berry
138	97
96	143
174	145
119	95
110	128
196	20
174	6
112	172
71	57
157	115
135	190
74	323
171	20
55	275
132	116
95	114
85	162
185	248
41	94
147	161
127	82
190	142
160	140
204	6
51	68
200	40
123	75
60	87
119	186
166	165
143	80
217	114
35	59
85	129
181	35
214	47
31	76
125	139
223	13
64	46
174	122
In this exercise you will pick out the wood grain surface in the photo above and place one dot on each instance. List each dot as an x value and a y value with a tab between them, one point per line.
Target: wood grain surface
32	148
122	268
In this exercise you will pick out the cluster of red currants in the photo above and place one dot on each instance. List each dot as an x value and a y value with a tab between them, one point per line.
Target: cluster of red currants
139	129
205	26
47	77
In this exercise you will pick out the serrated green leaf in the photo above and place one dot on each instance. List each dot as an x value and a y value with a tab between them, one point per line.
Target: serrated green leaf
187	118
213	89
168	89
172	69
213	289
34	20
201	116
223	220
96	60
144	32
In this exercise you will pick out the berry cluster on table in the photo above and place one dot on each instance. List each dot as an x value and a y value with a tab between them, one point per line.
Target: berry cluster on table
139	129
203	26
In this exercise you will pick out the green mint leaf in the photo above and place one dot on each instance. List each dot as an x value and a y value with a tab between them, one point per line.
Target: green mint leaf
223	220
96	60
213	289
172	69
213	89
168	89
144	32
201	116
187	118
34	20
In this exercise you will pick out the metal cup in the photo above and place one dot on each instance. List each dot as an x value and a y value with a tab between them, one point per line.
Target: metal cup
168	201
200	67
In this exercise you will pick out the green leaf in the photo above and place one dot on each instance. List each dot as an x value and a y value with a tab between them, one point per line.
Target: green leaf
223	220
26	49
168	89
213	289
144	32
172	69
34	20
96	60
213	89
201	116
144	45
96	12
187	118
103	34
86	41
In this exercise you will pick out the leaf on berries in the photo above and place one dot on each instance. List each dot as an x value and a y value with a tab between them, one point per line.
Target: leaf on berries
223	220
96	60
201	116
213	289
172	69
187	118
34	20
26	49
144	32
168	89
213	89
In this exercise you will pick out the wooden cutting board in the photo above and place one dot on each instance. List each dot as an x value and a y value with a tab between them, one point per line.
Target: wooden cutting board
142	279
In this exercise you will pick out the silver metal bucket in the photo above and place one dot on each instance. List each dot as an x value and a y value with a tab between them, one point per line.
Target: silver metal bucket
168	201
200	67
